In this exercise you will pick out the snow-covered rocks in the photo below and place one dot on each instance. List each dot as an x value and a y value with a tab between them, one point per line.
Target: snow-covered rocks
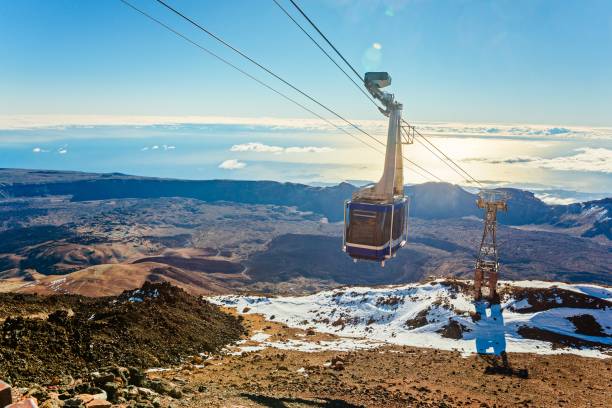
536	317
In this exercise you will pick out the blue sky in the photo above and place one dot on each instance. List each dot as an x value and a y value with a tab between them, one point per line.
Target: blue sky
519	91
471	61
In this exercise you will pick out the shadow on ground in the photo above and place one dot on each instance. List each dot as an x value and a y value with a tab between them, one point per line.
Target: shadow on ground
286	402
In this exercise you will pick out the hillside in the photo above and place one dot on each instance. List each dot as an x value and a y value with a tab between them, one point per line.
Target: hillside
97	248
44	338
429	200
84	187
52	243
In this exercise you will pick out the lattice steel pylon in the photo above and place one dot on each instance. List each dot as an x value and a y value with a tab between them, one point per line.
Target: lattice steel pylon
487	264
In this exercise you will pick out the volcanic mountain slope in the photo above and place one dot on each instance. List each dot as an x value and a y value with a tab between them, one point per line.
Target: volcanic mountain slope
281	366
435	248
220	247
534	316
429	200
348	348
112	279
84	247
87	187
590	219
187	242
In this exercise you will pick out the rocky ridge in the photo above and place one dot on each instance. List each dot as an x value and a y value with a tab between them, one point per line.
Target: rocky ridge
65	336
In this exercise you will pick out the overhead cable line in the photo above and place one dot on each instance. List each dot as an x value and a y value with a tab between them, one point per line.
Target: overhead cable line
441	159
167	27
463	176
359	76
369	97
326	40
289	84
219	39
202	48
444	154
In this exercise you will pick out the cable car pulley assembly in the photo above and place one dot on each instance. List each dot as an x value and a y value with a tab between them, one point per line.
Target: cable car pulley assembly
376	217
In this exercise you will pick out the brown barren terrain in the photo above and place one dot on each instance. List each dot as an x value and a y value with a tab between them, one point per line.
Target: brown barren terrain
391	376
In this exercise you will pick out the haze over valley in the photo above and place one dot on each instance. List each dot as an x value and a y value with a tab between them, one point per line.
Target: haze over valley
64	231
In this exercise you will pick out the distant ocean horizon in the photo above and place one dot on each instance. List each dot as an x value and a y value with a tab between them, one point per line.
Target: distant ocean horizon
560	164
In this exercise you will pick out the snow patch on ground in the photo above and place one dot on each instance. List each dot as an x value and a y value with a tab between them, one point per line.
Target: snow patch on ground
259	336
343	344
417	314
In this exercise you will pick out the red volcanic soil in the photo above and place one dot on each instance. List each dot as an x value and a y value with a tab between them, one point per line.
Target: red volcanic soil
112	279
196	264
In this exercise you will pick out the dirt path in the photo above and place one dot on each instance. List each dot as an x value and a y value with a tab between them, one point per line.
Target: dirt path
390	376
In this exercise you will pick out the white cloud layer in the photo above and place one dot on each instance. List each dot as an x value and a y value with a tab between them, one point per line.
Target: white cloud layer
25	122
553	200
156	147
256	147
263	148
232	164
445	129
308	149
584	159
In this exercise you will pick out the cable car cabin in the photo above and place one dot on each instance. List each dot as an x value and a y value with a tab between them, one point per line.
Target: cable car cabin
375	231
376	219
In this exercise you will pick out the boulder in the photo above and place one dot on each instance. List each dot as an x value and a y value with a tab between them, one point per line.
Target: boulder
96	403
51	403
101	395
176	393
38	392
146	392
132	392
74	403
161	386
85	398
137	376
111	389
102	378
5	394
26	403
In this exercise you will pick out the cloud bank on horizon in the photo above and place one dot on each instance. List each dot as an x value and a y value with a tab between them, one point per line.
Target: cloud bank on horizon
583	159
258	147
564	157
59	122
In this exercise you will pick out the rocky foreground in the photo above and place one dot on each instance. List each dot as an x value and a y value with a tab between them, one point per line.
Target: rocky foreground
158	346
61	347
111	386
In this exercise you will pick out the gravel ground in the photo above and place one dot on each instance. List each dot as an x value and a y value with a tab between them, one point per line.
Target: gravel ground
389	376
